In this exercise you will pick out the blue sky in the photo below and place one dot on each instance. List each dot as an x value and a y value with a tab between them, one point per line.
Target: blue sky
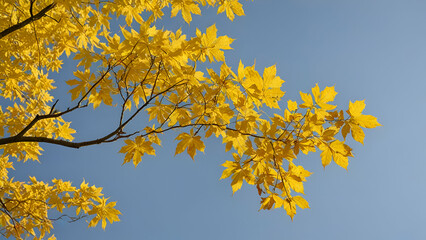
368	49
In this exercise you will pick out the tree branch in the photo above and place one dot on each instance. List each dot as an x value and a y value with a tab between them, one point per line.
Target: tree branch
21	138
29	20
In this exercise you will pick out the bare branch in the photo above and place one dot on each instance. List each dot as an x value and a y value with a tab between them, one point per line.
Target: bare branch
71	219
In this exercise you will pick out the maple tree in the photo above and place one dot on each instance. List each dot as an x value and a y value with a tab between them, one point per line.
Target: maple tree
143	70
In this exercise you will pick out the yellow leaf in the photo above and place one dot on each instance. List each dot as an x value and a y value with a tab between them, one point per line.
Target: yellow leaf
267	203
134	150
97	97
299	171
326	155
356	108
357	133
338	146
301	202
307	100
341	160
190	143
237	181
231	7
65	131
187	7
52	237
82	85
272	96
327	95
341	152
296	184
322	98
230	168
367	121
290	207
278	201
329	133
316	92
241	74
345	130
235	140
104	212
291	105
270	79
94	222
213	45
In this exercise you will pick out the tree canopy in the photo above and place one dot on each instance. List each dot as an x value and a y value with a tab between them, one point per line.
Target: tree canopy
143	70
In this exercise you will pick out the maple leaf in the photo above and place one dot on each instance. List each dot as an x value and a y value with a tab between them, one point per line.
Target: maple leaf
272	87
237	173
322	98
187	7
213	45
358	120
86	56
231	7
159	111
64	131
131	13
307	100
190	143
234	139
366	121
134	150
82	85
104	212
291	105
336	151
102	96
231	167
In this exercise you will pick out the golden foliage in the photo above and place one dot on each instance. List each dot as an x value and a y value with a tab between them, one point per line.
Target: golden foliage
146	70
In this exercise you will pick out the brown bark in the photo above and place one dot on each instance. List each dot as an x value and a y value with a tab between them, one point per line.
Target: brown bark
29	20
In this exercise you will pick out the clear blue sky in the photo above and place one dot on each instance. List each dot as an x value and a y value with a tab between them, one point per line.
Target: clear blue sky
368	49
